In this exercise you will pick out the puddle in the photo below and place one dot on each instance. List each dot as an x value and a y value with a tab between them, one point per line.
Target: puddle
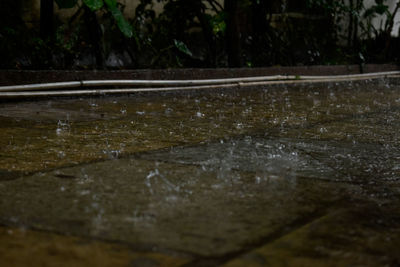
328	160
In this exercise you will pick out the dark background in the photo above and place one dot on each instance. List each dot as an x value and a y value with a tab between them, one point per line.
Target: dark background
198	34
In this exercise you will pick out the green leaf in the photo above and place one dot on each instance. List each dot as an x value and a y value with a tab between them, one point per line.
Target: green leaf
111	3
122	23
66	3
217	23
381	9
94	4
182	47
369	12
374	10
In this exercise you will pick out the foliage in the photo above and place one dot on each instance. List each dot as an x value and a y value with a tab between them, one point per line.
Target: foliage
364	37
186	33
109	5
217	22
19	45
203	33
183	48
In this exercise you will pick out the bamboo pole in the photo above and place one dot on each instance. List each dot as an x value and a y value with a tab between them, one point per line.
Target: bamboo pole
58	89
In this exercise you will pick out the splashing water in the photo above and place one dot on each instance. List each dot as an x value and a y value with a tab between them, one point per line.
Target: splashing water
154	178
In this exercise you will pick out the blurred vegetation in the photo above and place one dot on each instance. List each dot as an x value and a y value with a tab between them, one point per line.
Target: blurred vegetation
198	33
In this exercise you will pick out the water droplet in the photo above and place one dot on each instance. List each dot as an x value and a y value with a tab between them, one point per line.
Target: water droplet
199	114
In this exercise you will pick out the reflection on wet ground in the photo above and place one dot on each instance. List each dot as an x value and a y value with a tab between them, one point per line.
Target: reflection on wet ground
298	175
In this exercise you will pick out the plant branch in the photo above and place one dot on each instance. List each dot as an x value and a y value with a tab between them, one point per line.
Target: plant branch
216	6
390	23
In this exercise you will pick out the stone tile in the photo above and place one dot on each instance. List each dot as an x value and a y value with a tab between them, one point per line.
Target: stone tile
331	160
194	209
23	247
249	174
48	134
372	239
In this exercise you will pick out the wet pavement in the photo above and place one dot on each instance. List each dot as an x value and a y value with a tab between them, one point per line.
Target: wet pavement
299	175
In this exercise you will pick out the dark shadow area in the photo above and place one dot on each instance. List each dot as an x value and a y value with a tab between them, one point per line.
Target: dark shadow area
195	34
